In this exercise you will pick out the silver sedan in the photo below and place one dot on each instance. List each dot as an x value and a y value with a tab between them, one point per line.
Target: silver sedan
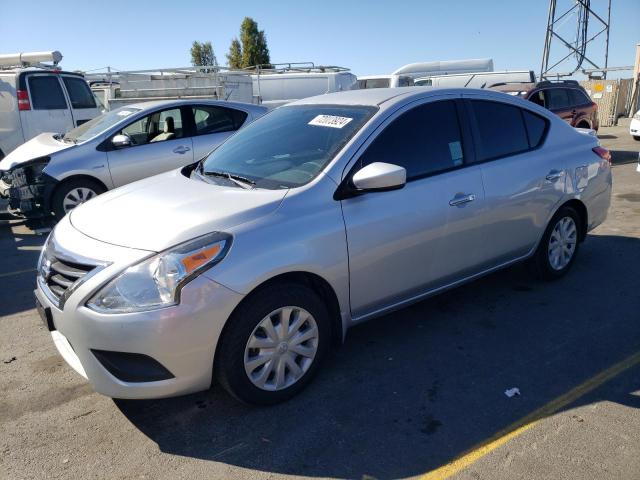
247	266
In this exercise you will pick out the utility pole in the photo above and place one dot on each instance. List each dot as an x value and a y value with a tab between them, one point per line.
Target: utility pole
574	47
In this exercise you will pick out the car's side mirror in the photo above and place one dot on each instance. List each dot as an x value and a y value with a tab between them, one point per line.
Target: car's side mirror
379	176
121	141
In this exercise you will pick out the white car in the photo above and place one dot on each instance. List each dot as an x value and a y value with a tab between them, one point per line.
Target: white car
634	128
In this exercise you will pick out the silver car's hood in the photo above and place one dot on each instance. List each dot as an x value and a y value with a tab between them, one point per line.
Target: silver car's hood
40	146
162	211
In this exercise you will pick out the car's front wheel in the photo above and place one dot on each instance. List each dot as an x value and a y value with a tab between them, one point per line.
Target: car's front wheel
73	193
273	344
559	245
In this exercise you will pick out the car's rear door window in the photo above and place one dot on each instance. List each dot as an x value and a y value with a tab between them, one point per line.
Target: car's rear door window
536	128
500	128
557	98
79	92
425	140
46	93
213	119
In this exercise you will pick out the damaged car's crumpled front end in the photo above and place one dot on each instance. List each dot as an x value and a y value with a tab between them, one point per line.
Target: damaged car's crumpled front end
29	189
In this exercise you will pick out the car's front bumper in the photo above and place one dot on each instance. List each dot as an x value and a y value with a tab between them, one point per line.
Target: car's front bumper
29	197
182	338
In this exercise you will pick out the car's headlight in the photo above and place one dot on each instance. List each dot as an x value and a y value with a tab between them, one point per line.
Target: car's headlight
637	116
156	282
33	170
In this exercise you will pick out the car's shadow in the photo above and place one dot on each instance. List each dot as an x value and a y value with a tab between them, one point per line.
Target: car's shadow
416	388
19	251
623	157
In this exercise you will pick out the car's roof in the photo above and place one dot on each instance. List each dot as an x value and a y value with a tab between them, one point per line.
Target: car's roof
199	101
376	97
19	70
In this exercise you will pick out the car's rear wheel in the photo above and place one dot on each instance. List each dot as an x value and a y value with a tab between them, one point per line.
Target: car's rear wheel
636	138
559	245
273	345
73	193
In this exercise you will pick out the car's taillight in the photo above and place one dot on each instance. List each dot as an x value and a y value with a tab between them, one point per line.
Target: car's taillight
594	105
23	100
603	153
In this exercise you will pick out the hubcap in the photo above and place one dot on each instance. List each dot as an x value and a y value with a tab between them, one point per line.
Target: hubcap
75	197
562	243
281	348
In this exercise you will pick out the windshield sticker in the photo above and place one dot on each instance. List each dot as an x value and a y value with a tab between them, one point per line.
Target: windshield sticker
332	121
125	113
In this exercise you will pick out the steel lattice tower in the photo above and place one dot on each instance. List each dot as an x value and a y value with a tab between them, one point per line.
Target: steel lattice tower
583	36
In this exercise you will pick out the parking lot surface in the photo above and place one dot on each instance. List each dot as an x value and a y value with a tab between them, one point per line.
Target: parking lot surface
418	392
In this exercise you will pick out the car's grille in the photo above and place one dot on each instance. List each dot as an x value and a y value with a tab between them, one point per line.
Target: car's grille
63	274
60	272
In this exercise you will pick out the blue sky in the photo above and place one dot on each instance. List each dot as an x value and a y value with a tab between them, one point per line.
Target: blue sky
369	37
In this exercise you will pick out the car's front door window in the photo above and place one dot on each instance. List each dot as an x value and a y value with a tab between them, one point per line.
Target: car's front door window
425	140
156	127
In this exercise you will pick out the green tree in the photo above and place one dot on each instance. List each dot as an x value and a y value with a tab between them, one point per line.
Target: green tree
202	54
254	44
234	57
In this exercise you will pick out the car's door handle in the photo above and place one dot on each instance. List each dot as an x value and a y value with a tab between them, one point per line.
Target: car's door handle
461	199
554	175
181	149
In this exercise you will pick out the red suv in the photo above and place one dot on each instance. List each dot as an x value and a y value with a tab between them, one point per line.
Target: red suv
566	98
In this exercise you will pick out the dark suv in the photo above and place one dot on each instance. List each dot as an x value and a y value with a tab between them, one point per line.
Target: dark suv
566	98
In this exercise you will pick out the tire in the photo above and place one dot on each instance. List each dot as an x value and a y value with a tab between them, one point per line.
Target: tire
544	263
245	325
60	202
636	138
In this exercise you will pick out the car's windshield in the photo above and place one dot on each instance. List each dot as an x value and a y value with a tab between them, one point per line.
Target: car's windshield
289	146
94	127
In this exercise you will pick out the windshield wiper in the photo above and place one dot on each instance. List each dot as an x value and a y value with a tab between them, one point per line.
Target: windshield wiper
237	179
69	140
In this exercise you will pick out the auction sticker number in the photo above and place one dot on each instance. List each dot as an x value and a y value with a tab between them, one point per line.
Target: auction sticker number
332	121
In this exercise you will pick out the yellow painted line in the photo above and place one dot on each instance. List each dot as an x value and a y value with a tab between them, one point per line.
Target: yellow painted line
515	429
17	272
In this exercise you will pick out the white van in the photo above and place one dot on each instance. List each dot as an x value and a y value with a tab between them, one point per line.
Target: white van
276	88
37	99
